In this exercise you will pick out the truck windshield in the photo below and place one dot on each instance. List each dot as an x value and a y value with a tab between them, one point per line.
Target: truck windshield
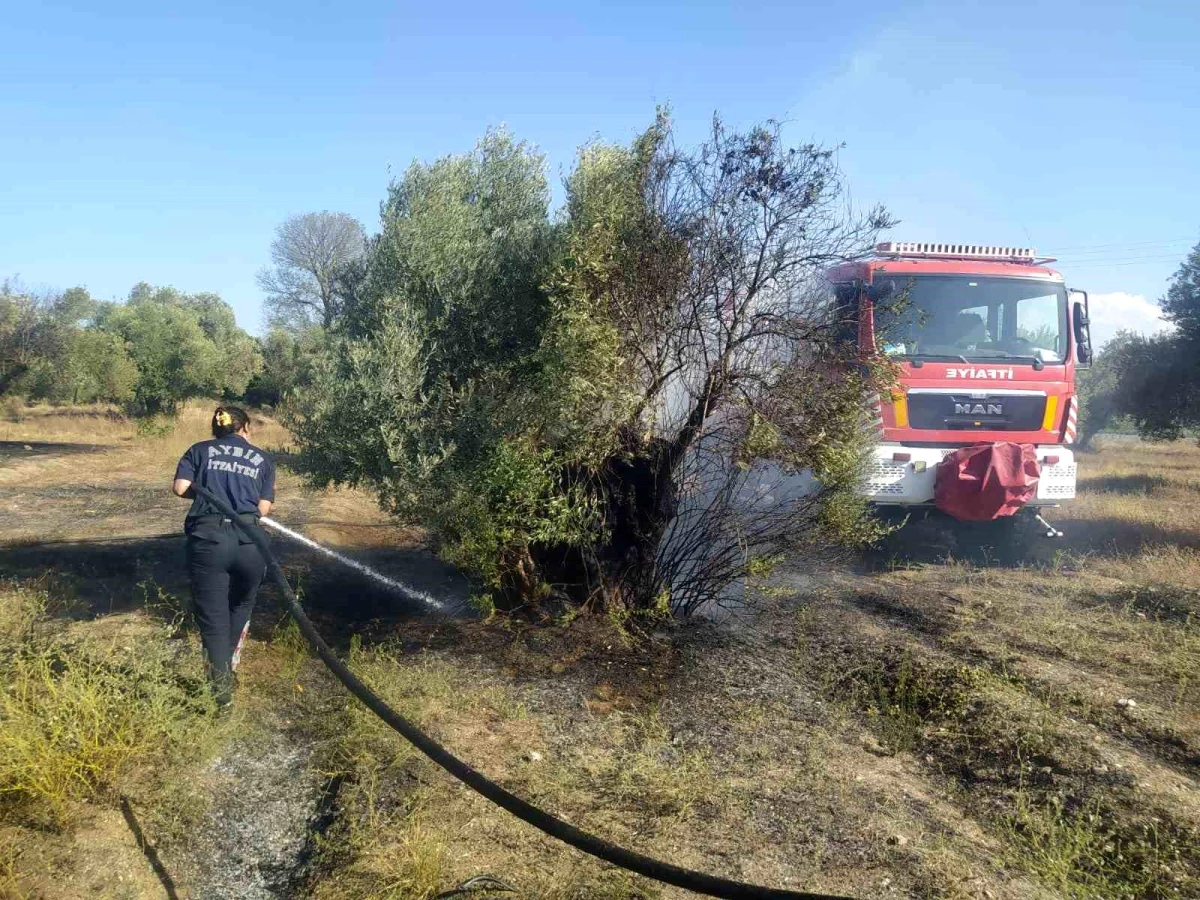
970	317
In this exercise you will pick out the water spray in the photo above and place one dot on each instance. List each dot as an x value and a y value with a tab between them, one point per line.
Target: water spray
546	822
399	587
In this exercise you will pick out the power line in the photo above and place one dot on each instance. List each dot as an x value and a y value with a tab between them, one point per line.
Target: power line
1100	264
1129	254
1128	244
1117	258
1102	257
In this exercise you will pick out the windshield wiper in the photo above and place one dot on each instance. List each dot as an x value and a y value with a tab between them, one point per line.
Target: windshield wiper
921	357
1038	362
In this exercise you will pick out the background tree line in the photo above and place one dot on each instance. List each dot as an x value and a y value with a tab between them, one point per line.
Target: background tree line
162	346
148	354
1151	382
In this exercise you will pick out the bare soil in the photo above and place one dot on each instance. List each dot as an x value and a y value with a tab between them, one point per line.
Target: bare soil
947	716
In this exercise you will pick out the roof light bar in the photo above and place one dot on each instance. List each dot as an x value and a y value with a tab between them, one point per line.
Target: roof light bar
956	251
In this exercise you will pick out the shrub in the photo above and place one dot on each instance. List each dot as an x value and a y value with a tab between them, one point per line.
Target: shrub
77	716
583	407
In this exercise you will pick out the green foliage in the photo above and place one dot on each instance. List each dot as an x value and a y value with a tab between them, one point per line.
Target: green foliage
1103	387
616	274
530	392
240	355
287	365
1159	378
1148	381
77	715
95	367
183	346
1155	380
151	353
463	248
1082	851
174	357
100	368
428	396
1181	305
28	335
48	352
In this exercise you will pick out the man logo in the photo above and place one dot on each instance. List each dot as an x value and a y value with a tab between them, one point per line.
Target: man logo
978	409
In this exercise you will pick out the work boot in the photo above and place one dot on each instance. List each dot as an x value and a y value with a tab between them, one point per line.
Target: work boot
222	687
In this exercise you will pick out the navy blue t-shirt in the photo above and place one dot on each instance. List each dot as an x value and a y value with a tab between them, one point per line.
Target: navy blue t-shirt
230	467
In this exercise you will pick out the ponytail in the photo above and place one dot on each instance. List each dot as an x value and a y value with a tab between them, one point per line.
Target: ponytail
228	420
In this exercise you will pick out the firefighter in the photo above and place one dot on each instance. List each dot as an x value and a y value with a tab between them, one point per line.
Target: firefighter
224	566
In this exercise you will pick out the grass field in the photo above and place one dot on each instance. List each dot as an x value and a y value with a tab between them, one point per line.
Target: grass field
933	719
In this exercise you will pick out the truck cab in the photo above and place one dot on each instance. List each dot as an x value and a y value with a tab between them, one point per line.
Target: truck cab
986	342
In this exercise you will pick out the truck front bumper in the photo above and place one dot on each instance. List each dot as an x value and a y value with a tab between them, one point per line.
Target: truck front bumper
901	482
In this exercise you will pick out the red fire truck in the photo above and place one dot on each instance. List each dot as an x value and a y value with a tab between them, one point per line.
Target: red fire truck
986	342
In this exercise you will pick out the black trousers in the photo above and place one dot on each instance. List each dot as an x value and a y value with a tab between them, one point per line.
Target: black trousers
225	571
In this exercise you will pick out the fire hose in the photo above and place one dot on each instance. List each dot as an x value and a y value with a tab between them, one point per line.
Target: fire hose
667	873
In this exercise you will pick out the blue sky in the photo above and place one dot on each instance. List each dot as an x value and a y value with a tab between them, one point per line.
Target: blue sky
141	144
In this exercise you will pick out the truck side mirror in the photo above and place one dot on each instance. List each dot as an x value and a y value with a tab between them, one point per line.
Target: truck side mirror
1083	336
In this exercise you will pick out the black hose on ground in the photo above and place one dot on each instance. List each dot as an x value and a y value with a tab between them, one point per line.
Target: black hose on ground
649	867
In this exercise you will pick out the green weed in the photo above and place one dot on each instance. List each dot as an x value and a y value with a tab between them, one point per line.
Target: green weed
79	715
294	649
1082	853
904	697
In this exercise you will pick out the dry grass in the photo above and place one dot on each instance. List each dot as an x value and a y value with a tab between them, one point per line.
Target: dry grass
409	831
80	713
1060	695
124	452
69	474
106	425
1135	496
944	729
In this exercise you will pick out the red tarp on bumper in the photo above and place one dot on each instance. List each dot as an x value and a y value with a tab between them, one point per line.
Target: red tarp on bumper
986	481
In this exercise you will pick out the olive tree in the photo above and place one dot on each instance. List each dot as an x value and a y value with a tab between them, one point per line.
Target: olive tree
287	359
22	325
1161	395
634	403
49	349
310	256
182	345
1152	381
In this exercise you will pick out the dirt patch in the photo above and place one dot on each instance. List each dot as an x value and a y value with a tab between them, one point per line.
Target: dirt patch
1126	484
16	450
263	794
948	727
1077	783
100	858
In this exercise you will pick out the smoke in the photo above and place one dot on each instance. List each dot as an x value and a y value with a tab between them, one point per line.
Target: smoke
407	590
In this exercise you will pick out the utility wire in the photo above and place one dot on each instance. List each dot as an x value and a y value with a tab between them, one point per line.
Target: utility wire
1119	245
1099	264
1121	257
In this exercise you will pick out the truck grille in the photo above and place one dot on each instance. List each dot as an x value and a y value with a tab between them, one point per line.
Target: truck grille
981	412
